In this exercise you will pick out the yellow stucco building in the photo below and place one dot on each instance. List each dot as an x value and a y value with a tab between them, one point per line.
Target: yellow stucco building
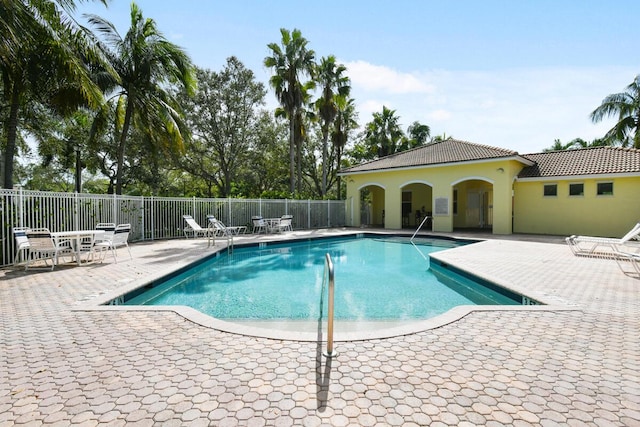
460	185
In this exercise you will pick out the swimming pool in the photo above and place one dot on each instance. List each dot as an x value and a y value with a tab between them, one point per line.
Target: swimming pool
376	279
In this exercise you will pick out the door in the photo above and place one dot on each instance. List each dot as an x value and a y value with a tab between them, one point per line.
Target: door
474	209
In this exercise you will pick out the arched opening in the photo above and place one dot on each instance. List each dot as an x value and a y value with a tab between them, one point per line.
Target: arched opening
372	205
473	204
417	202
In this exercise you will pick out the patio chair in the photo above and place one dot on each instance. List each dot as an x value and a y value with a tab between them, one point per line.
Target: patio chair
604	246
285	224
194	228
219	229
22	244
259	224
109	229
120	238
43	247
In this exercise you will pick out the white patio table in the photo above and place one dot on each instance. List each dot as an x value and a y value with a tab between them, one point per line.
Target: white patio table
75	237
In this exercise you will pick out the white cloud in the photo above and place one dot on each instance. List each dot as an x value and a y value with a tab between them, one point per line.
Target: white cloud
439	115
520	109
384	79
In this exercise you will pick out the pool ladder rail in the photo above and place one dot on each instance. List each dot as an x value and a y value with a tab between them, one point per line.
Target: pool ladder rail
414	235
328	275
211	239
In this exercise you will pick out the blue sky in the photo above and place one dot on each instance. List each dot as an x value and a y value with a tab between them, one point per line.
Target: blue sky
511	74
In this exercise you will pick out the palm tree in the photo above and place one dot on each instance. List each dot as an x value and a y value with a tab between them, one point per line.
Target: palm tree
345	122
290	62
146	64
33	33
559	146
419	134
334	85
626	106
383	134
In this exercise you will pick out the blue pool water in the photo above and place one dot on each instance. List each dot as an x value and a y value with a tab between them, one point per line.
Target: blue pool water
375	279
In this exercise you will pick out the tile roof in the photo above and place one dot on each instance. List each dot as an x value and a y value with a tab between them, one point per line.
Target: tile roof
584	161
442	152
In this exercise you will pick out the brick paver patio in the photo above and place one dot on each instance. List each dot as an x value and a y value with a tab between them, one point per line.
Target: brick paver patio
64	364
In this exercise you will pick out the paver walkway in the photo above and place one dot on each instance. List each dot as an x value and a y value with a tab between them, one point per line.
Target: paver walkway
62	366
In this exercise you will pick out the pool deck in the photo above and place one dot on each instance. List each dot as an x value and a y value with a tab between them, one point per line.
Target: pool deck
575	361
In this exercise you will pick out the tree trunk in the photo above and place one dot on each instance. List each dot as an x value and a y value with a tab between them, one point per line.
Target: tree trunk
339	178
78	172
325	156
292	153
121	146
299	163
12	134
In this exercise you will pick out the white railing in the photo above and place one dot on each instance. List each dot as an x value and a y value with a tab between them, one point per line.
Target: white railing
330	280
151	218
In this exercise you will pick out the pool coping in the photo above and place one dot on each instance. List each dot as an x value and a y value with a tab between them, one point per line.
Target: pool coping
97	302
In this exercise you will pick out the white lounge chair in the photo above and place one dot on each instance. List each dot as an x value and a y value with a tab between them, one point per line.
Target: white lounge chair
194	228
43	247
119	238
219	229
628	258
604	246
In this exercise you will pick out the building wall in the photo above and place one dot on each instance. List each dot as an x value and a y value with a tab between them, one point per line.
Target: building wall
590	214
498	175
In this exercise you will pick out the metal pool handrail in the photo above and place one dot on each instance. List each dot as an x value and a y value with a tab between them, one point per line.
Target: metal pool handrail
328	272
414	235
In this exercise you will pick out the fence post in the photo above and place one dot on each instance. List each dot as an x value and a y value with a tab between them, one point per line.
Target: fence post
152	216
142	216
76	211
115	208
309	214
230	220
20	207
286	206
328	213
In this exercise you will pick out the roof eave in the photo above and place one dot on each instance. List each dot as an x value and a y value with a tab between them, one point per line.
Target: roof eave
578	177
517	158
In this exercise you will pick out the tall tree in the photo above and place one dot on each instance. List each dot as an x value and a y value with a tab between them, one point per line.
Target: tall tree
559	146
419	134
383	135
344	123
334	84
290	63
146	64
626	107
222	116
34	33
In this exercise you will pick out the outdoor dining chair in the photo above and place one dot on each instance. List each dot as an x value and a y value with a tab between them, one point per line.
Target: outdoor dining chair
22	244
259	224
43	247
120	238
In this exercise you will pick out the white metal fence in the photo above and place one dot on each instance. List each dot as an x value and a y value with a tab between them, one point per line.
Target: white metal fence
151	218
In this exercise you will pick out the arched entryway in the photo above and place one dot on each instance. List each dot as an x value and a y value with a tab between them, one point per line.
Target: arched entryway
416	204
473	204
372	199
